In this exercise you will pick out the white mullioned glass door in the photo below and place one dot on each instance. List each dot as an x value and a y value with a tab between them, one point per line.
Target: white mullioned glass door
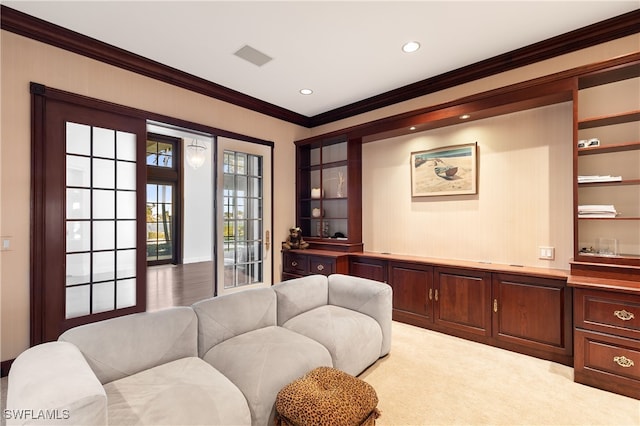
243	205
101	222
87	257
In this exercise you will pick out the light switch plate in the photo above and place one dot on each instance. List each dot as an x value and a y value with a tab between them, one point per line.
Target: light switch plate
546	253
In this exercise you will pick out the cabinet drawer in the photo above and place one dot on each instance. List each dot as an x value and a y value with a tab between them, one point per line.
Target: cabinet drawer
295	264
321	265
608	362
615	313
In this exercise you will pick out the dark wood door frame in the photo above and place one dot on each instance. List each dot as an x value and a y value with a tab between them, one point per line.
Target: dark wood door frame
42	205
51	109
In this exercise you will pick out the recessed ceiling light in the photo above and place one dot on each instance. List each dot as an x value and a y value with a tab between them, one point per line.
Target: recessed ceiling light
306	91
465	116
410	47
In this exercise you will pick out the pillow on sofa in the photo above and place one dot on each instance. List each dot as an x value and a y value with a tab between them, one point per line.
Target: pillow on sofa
126	345
300	295
219	318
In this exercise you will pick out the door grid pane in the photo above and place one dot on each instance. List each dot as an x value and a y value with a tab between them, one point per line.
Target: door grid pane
243	222
100	171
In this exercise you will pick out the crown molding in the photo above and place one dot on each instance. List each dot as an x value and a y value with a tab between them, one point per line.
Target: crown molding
55	35
598	33
601	32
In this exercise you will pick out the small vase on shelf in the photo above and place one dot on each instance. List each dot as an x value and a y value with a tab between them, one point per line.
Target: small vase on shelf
340	191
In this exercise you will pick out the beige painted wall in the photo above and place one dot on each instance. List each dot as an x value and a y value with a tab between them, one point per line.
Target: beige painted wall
524	197
24	61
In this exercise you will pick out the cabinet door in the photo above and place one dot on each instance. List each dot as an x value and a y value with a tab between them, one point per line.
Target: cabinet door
412	285
463	300
534	313
373	269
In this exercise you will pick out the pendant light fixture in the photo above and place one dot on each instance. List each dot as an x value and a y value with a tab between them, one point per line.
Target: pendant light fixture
196	153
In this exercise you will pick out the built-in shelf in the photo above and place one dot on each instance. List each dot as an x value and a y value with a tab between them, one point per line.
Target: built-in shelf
630	146
609	120
610	100
614	183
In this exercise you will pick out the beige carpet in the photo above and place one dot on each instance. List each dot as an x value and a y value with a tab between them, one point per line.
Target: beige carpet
431	378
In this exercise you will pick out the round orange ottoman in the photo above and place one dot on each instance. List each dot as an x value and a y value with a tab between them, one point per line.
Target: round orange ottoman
326	397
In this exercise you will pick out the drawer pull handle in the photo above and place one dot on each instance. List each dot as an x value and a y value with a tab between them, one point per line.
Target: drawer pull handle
623	361
320	268
294	263
624	315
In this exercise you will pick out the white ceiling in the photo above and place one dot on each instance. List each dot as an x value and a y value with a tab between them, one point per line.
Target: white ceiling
344	51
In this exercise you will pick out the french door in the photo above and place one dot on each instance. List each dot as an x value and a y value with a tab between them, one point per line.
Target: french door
243	220
88	248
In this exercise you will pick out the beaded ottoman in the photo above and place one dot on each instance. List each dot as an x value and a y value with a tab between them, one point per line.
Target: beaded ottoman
327	397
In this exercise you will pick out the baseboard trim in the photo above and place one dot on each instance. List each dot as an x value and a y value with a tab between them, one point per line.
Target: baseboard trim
6	366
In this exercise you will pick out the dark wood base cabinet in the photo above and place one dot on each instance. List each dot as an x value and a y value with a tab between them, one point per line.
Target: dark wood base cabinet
526	310
607	327
523	312
299	263
533	315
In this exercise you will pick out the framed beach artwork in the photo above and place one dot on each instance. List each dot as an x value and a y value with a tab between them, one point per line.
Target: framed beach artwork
449	170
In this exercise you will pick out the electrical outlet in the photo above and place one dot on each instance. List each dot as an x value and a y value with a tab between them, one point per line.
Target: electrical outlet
546	253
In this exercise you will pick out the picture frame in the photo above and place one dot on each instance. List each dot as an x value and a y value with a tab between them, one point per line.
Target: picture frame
449	170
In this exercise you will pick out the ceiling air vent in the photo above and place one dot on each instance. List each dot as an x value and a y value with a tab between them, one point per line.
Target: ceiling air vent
252	55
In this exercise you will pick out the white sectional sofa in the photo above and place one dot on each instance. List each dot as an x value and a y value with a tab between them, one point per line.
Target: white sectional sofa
221	361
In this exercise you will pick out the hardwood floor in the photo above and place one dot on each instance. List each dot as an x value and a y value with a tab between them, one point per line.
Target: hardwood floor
178	285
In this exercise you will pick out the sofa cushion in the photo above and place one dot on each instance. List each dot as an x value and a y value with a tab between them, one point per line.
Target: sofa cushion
262	361
353	339
187	391
223	317
369	297
300	295
118	347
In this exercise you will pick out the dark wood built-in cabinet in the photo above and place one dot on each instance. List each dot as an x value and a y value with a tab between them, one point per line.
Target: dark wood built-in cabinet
462	301
534	312
605	272
528	310
412	286
299	263
366	267
329	192
607	327
524	313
